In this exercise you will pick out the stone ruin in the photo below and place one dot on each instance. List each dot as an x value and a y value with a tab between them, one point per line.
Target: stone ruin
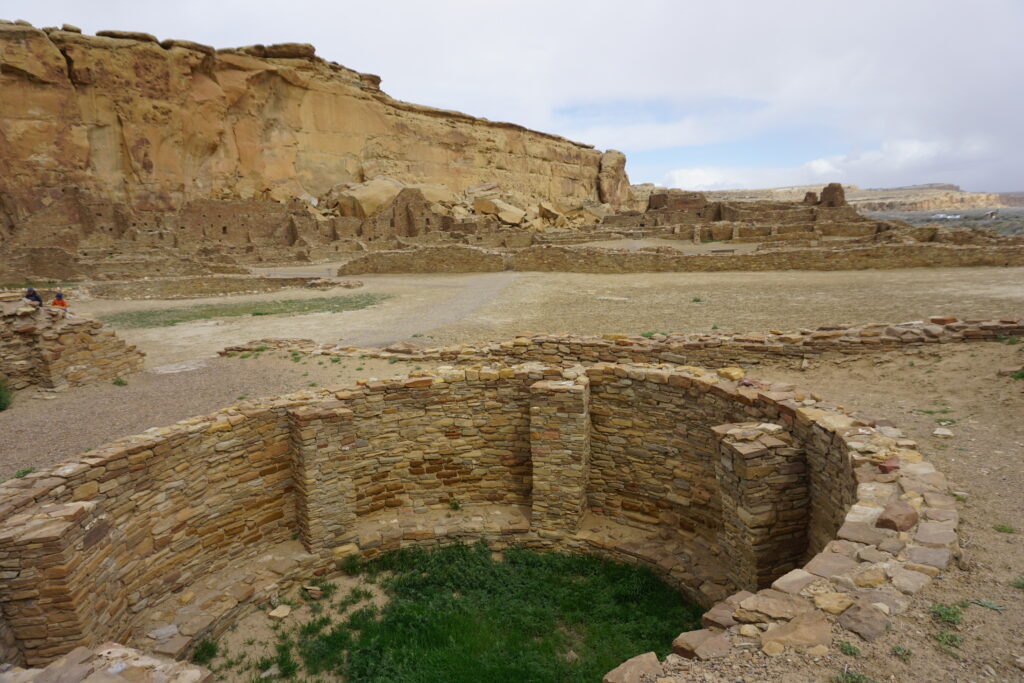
43	348
763	503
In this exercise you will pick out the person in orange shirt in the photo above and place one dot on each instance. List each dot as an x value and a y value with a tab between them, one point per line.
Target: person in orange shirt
60	302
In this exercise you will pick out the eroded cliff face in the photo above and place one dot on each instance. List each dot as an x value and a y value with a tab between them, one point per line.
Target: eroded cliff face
116	138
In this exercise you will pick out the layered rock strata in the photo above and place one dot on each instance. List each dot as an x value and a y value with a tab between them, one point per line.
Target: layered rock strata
118	139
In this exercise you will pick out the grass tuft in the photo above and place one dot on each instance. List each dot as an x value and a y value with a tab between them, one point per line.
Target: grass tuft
1004	528
848	648
903	652
205	651
947	614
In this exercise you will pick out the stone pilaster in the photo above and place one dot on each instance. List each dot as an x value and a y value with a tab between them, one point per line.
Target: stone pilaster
324	497
560	451
765	501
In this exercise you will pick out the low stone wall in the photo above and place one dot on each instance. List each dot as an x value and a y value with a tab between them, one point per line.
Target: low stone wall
718	484
431	259
578	259
715	349
41	347
591	260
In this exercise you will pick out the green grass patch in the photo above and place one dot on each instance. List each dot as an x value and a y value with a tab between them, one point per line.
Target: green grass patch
848	648
903	652
458	614
24	473
851	677
165	317
1019	374
947	614
120	382
6	395
1004	528
205	651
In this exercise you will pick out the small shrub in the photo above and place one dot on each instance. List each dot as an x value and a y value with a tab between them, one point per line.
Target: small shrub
848	648
1019	374
648	335
205	651
1018	582
335	359
246	355
1004	528
696	300
261	348
947	642
120	382
351	565
24	473
902	651
454	505
714	327
947	614
851	677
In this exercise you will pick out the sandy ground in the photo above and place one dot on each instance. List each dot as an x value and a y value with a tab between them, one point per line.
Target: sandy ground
476	306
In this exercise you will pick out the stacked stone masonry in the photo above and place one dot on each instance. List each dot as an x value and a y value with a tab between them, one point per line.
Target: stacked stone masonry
41	347
572	259
715	349
725	483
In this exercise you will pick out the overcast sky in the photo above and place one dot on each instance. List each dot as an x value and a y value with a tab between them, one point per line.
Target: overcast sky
701	95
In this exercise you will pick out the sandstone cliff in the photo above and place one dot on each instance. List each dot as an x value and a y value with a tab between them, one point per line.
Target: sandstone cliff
118	138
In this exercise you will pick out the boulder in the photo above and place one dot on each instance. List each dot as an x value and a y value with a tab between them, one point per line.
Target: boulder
898	516
804	631
362	199
867	621
634	670
612	181
505	212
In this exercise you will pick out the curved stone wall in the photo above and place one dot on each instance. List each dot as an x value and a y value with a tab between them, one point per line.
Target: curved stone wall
718	485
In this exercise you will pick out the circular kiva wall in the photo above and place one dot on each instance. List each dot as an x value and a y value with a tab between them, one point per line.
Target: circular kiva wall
718	485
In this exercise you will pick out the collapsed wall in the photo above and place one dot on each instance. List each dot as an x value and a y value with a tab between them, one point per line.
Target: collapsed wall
41	347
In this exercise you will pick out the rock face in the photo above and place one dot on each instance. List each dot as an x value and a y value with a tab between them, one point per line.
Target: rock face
118	138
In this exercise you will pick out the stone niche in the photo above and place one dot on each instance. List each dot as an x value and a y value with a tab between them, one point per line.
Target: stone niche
716	485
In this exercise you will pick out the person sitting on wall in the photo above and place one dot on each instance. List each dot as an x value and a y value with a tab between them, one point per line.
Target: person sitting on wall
60	302
33	298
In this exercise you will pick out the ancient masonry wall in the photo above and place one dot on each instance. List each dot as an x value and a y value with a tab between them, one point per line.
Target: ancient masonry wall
716	349
41	347
87	546
567	259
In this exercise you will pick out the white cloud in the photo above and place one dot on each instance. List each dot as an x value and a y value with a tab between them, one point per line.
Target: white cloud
890	164
937	71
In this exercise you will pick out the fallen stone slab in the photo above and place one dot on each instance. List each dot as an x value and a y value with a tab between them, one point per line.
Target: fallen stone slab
867	621
805	631
634	670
